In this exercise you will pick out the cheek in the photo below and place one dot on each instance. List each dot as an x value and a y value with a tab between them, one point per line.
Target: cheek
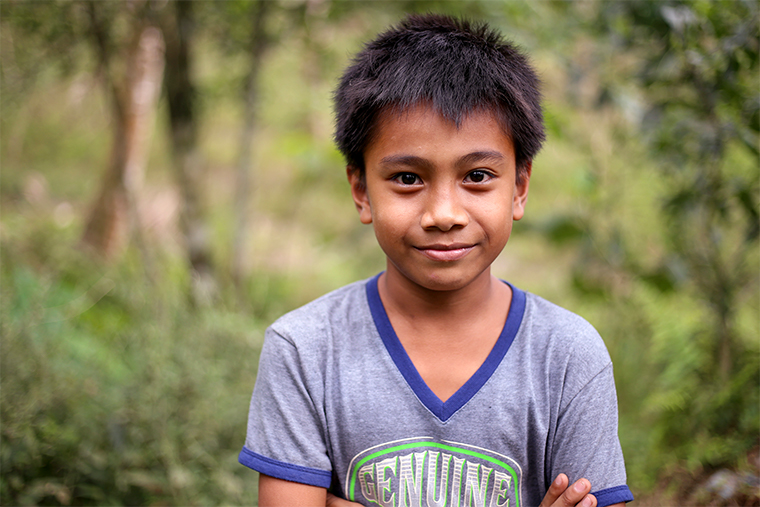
391	213
496	215
387	229
384	222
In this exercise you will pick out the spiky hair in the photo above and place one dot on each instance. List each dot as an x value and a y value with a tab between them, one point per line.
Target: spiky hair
456	66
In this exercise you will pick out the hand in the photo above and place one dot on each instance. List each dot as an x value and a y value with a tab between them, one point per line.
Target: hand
334	501
577	495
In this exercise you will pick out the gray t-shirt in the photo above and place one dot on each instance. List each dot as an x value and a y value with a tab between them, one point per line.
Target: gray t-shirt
339	404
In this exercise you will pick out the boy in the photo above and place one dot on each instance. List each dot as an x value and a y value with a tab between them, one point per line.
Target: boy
434	383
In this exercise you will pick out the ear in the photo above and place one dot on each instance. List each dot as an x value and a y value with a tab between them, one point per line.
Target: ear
359	193
521	193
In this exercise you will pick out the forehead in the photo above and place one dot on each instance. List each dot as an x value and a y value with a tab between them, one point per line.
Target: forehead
422	131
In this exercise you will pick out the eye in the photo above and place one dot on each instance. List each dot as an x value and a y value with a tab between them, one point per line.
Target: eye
407	179
478	176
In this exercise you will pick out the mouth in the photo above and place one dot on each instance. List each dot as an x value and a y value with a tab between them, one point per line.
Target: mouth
446	253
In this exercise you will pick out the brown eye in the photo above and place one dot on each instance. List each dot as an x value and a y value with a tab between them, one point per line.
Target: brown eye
407	178
478	176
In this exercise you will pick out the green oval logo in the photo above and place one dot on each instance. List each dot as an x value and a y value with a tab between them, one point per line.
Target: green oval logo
420	472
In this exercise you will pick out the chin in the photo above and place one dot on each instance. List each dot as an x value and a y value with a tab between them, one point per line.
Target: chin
445	283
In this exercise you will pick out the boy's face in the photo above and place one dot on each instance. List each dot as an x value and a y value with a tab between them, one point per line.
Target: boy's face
441	199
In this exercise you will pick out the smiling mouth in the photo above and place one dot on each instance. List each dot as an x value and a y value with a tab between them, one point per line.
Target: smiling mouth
446	253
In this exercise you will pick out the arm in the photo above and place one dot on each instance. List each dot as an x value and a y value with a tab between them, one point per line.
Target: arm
586	443
274	492
334	501
284	440
277	492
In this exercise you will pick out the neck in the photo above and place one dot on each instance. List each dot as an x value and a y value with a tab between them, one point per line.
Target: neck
409	299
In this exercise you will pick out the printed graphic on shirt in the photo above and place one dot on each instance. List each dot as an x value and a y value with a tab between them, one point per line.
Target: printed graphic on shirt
418	472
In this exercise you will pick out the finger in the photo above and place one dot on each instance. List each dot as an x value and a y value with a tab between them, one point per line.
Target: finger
555	490
575	494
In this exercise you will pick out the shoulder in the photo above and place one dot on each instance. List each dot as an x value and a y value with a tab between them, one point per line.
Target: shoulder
562	327
569	347
335	310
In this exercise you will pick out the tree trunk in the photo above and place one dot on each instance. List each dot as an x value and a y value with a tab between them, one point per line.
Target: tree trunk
115	211
188	166
243	188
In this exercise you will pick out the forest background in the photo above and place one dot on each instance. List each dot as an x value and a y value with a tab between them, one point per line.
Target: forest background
169	186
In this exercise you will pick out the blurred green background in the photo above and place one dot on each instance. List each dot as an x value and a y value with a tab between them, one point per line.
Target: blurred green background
169	187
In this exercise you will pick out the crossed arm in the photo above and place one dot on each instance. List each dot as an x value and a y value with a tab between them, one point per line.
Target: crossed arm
277	492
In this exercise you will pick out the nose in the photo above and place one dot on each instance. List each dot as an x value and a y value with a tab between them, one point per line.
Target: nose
444	209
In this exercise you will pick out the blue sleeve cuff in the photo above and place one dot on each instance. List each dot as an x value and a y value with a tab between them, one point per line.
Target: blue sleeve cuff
612	496
285	471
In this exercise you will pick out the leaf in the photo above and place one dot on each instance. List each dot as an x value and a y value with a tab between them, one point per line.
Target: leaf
746	198
563	229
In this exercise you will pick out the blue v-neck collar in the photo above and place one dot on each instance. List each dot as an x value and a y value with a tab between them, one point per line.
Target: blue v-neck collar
444	410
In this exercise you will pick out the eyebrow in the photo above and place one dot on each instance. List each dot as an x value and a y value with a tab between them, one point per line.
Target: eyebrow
415	161
406	160
480	156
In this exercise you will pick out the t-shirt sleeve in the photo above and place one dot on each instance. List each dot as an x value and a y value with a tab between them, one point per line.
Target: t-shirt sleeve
586	442
286	438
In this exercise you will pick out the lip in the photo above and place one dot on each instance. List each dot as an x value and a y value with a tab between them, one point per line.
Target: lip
446	253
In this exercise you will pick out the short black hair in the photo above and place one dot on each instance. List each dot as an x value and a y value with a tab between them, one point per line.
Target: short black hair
456	66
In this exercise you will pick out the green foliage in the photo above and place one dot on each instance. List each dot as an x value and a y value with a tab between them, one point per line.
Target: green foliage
114	392
692	75
51	32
